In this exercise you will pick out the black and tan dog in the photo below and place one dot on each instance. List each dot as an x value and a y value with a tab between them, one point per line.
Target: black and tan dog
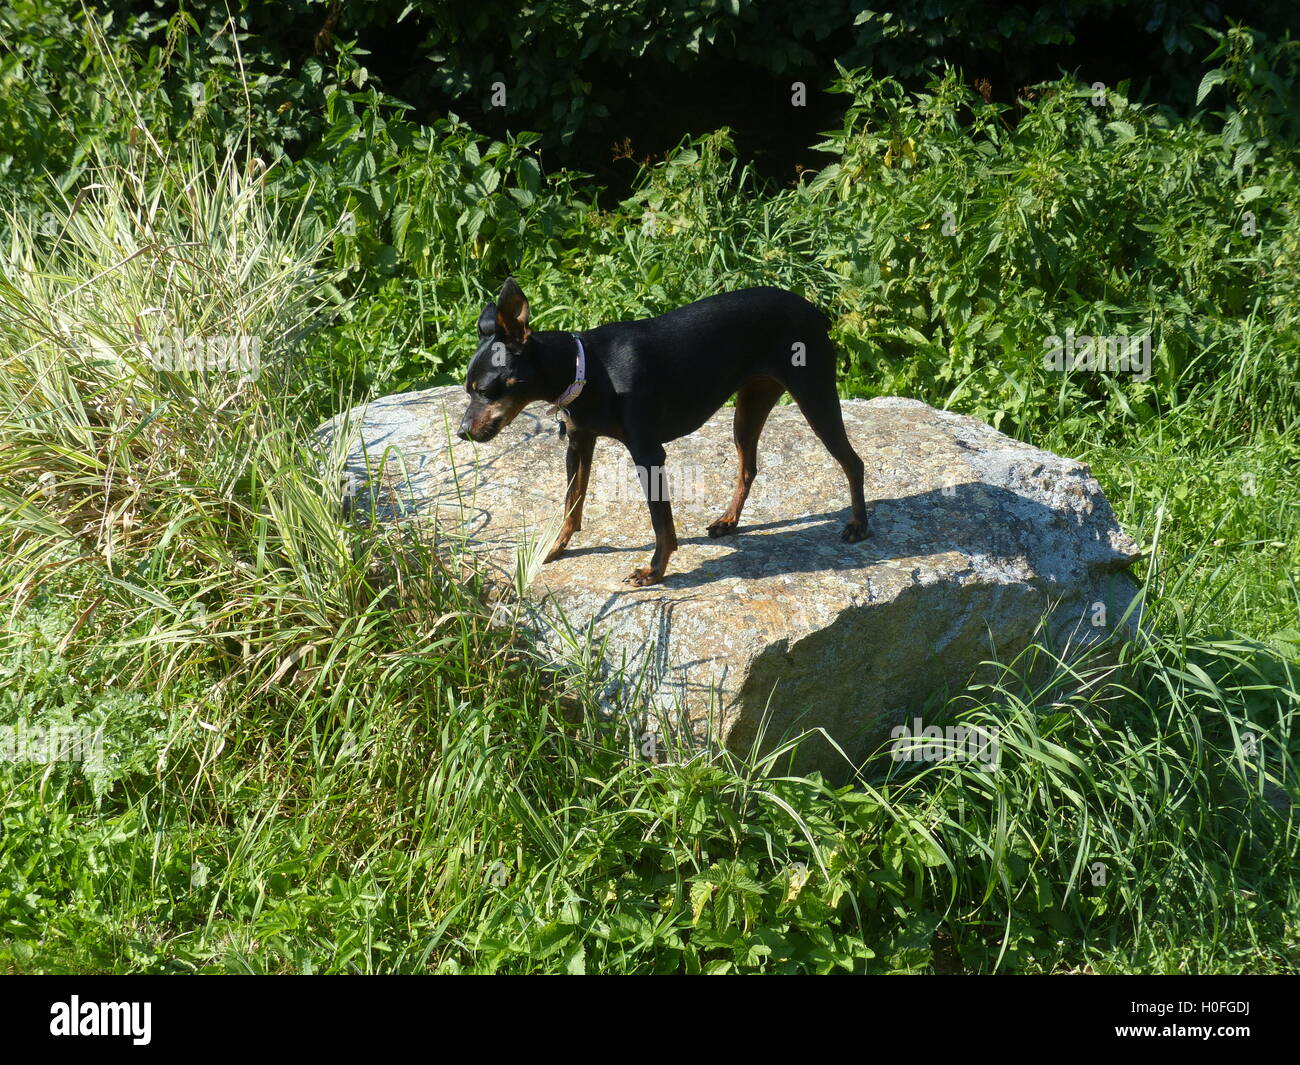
658	379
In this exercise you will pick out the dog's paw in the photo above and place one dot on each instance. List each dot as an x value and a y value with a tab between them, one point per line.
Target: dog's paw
643	576
721	527
561	545
855	531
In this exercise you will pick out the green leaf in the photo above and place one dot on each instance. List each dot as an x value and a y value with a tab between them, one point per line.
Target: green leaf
575	964
1211	79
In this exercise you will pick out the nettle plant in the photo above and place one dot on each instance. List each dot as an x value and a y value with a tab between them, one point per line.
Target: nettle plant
965	233
439	201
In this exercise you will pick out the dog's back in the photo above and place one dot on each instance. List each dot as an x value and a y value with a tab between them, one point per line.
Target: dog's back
702	353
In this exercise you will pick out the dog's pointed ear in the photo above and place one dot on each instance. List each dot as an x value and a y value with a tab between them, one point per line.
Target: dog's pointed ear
487	321
512	312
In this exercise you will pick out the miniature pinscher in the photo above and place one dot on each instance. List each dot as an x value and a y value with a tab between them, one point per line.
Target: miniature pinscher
651	381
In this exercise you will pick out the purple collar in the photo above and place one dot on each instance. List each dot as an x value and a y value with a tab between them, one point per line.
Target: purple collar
580	378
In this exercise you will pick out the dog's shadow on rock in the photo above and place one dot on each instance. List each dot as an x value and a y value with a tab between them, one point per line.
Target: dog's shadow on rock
974	520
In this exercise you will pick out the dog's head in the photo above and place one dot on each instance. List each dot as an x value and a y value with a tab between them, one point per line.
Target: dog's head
501	379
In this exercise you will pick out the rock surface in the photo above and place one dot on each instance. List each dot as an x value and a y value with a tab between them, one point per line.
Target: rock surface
782	628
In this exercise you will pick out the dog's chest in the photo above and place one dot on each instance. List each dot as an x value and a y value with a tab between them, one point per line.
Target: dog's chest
568	421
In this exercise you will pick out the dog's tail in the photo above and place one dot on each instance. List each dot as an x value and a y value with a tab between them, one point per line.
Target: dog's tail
841	353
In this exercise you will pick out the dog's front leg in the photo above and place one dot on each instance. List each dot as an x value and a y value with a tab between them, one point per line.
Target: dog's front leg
577	466
650	470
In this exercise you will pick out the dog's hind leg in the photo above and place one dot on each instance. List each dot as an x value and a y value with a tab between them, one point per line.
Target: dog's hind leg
820	404
754	402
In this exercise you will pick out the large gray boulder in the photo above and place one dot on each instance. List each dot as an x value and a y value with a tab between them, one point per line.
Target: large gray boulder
978	541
